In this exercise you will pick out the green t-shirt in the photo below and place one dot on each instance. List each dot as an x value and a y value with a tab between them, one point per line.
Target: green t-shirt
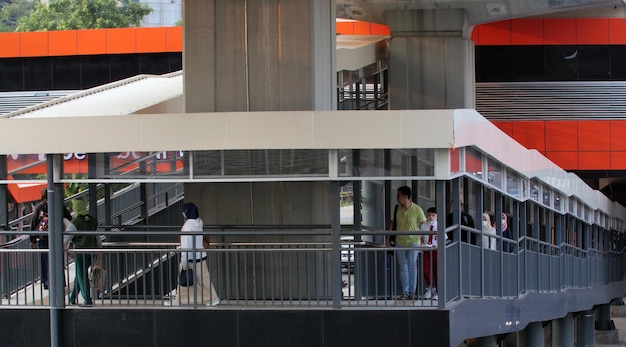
409	220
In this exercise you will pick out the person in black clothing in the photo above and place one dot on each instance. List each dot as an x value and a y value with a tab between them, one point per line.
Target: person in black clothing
466	220
506	233
39	222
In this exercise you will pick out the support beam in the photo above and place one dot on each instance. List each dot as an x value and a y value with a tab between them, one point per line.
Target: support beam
259	55
533	335
585	336
563	331
431	60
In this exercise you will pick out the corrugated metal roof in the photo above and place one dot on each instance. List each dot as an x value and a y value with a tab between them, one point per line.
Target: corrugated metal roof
14	101
118	98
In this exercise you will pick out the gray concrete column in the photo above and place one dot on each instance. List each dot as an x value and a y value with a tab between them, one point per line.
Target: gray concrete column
486	341
585	336
259	55
532	335
267	203
431	60
603	316
563	331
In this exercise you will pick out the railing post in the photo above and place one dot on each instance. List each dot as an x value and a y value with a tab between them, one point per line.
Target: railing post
440	193
55	246
336	244
4	225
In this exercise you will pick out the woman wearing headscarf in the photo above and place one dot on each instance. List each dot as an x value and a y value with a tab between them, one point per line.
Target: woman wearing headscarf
488	229
506	233
191	240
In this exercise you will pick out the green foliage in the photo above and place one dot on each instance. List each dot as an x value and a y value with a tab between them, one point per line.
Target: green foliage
11	12
74	188
84	14
179	23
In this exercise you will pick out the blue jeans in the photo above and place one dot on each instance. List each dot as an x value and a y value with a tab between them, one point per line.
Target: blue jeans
407	267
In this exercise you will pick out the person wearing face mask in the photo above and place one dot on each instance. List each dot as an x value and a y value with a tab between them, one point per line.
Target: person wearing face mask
488	229
506	233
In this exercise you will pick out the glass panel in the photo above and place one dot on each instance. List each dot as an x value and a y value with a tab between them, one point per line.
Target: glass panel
594	63
494	173
579	212
546	197
399	163
512	183
534	190
290	162
455	160
561	63
473	163
557	201
528	63
156	165
27	166
426	189
493	63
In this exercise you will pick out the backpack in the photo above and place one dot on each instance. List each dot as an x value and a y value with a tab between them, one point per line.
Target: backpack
85	223
43	221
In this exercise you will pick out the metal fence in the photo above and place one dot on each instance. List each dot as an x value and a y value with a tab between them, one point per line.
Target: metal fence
304	268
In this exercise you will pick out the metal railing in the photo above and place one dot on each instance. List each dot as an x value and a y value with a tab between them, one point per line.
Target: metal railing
274	266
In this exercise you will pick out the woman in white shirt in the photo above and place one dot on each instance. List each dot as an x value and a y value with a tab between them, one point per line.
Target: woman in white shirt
205	293
488	229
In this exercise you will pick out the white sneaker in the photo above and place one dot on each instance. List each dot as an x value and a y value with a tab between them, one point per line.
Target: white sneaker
435	294
213	302
428	294
171	303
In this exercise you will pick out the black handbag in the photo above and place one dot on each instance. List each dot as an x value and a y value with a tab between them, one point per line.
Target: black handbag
392	238
186	278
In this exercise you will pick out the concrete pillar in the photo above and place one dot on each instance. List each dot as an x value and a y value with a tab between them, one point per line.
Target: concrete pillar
532	335
606	332
563	331
486	341
266	203
259	55
431	60
585	336
603	317
511	340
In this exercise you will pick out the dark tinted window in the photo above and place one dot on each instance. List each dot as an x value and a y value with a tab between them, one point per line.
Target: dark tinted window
154	64
66	73
12	76
37	74
618	63
124	66
561	63
528	63
176	61
493	64
94	71
594	63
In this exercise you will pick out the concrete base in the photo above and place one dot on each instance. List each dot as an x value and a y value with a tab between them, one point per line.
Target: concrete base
618	311
607	337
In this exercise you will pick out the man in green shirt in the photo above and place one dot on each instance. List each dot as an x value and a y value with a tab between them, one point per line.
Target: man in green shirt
408	218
